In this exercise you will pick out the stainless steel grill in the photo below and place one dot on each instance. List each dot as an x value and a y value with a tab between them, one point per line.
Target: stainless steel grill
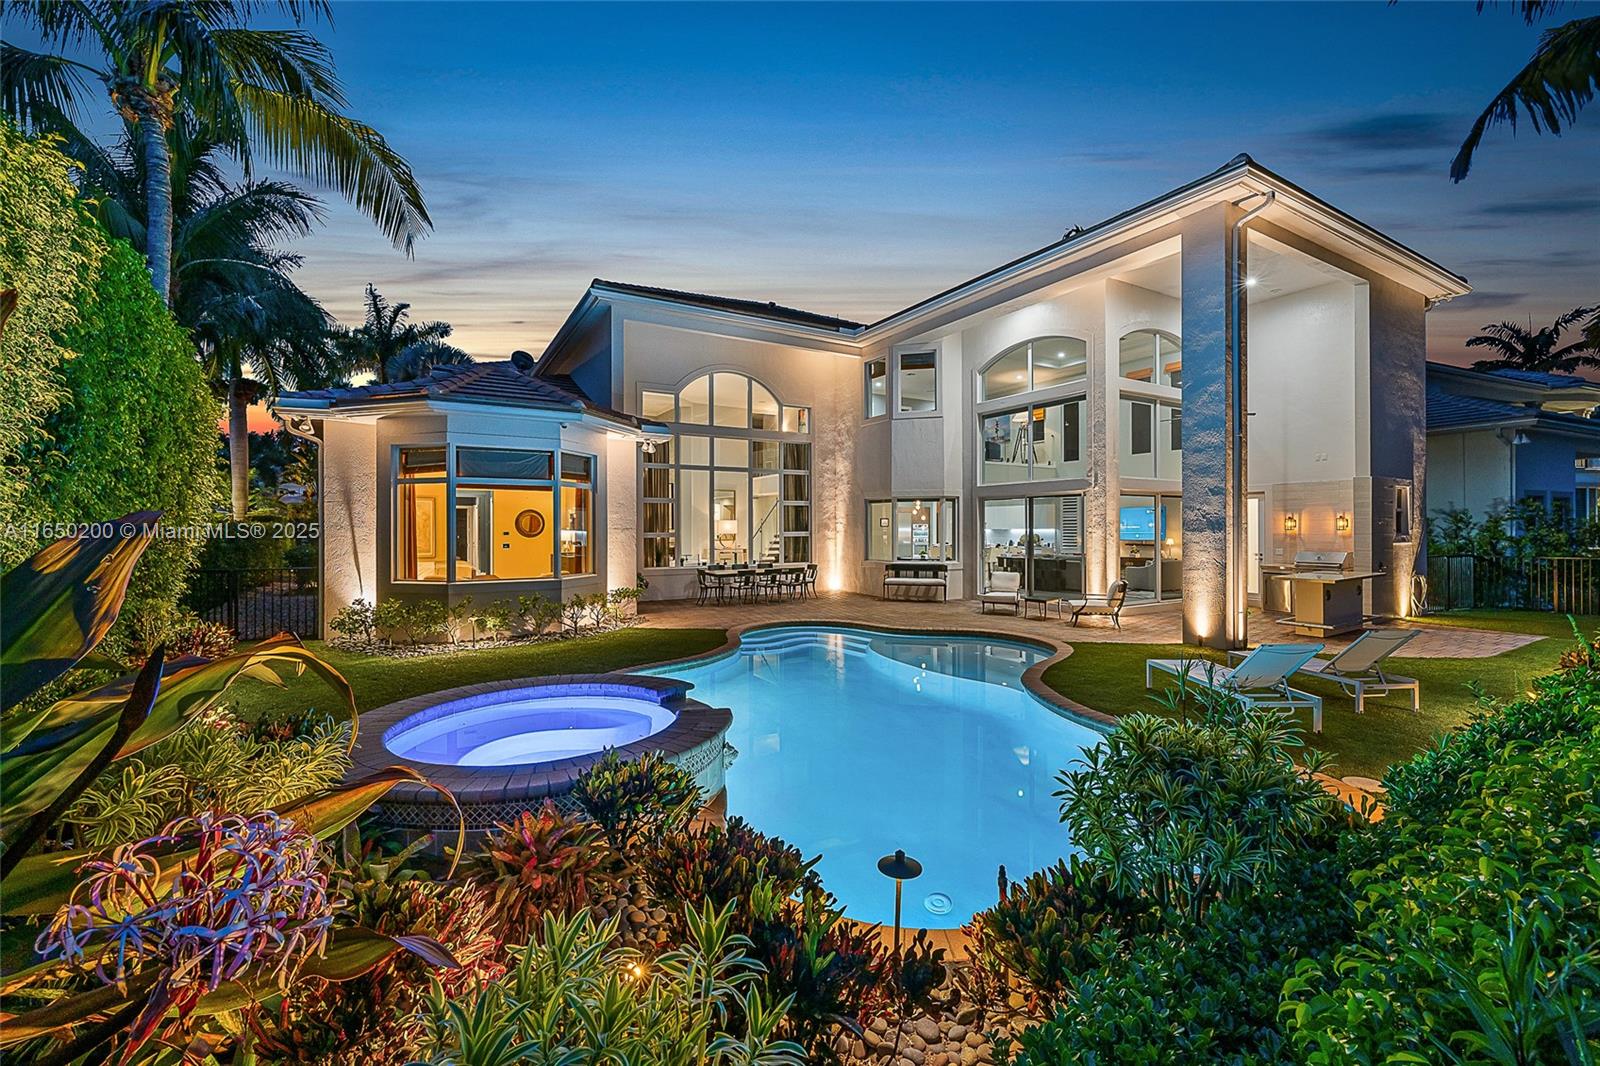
1309	562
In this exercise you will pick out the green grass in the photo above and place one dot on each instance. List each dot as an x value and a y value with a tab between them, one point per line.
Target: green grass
378	680
1110	677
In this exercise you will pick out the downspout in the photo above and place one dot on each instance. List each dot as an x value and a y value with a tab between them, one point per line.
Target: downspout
1238	564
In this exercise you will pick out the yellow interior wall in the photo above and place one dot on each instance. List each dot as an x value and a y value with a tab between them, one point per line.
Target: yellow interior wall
511	554
431	563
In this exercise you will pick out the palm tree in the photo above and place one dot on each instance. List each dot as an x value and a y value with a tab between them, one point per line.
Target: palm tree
1520	348
271	91
231	284
394	349
1557	82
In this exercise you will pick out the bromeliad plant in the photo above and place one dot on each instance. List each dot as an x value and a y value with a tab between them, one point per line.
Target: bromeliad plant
544	862
211	915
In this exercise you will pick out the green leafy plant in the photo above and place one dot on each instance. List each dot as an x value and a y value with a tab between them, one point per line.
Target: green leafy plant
535	614
356	622
723	864
543	861
575	996
636	798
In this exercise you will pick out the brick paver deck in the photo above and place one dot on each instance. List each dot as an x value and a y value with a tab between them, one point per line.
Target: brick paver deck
1157	624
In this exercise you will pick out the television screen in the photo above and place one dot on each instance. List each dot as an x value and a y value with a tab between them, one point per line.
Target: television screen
1139	523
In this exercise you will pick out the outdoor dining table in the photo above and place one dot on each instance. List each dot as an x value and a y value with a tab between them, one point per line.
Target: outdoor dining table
721	574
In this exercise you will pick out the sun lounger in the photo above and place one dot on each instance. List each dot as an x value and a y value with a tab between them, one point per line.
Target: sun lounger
1260	679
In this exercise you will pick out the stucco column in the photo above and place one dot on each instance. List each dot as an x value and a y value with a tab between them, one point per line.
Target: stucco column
1210	526
1100	503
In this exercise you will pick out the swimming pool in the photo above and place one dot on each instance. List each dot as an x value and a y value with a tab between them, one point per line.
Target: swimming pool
853	743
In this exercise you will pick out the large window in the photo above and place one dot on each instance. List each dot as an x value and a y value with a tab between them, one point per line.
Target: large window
911	529
1038	443
732	488
1151	355
918	384
1035	364
503	506
1150	530
1040	539
1151	439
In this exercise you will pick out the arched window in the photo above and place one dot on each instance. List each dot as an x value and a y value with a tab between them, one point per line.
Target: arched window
1152	355
1036	364
734	484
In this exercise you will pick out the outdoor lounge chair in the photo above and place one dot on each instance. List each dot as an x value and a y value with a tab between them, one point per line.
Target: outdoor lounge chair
1359	668
1005	590
1109	605
1260	679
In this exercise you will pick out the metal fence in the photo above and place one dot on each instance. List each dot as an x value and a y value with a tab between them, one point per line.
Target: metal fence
1568	584
257	603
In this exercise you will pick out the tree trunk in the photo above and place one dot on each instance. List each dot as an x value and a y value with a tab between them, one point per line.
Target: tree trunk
239	445
158	206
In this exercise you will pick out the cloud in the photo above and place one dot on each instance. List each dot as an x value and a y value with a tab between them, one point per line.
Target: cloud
1401	131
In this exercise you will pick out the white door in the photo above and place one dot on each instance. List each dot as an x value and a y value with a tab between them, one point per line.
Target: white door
1252	547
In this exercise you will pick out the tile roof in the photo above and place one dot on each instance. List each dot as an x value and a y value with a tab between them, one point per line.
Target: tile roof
1448	410
760	309
1536	377
499	384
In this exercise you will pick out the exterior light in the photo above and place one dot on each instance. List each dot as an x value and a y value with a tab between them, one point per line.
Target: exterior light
1341	523
1250	282
901	868
1291	524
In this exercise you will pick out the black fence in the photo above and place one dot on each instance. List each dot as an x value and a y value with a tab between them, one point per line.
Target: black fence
1568	584
257	603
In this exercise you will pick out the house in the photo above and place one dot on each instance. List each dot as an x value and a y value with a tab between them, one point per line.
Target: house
1214	379
1499	436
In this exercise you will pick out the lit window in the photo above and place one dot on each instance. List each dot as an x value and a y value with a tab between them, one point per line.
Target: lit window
656	406
911	529
505	514
919	383
421	514
1153	356
877	402
1035	364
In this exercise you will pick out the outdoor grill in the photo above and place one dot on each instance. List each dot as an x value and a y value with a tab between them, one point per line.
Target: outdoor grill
1324	597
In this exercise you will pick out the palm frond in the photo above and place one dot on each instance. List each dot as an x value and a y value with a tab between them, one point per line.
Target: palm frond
1558	81
251	215
340	153
416	360
40	91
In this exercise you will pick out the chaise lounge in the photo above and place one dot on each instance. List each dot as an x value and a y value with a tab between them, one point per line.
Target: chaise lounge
1260	679
1359	668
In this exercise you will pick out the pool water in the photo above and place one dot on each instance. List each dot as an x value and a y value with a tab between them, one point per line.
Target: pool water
518	727
854	743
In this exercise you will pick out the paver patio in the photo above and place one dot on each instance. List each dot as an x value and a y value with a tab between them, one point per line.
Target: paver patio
1157	624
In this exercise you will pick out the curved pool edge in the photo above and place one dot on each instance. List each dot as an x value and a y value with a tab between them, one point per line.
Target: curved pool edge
694	740
1032	678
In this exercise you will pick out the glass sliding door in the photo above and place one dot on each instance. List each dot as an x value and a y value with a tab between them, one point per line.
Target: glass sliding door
1039	538
1150	529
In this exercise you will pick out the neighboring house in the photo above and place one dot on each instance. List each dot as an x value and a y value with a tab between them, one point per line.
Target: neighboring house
1498	436
1069	415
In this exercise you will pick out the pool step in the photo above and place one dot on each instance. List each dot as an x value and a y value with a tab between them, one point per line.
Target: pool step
778	642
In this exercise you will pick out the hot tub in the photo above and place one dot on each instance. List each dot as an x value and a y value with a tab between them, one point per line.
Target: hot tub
508	746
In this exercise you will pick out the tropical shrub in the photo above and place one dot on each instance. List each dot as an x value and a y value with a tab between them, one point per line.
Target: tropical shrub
833	973
723	864
1047	930
355	622
535	614
107	407
375	1019
216	763
575	996
636	798
541	862
1478	928
214	913
622	604
1185	813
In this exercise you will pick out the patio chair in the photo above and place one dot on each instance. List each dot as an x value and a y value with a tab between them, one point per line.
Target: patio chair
1260	679
1107	606
808	584
1005	590
710	587
1359	668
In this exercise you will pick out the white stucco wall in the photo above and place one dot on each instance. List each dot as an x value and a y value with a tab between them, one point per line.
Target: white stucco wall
1304	418
349	516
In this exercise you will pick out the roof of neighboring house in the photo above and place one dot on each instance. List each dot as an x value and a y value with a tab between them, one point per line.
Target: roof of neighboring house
1539	377
1449	411
498	384
760	309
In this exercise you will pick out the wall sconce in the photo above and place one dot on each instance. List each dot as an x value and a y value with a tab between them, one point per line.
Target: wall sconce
1341	523
1291	524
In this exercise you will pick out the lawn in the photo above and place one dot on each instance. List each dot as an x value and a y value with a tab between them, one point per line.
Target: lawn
379	680
1110	677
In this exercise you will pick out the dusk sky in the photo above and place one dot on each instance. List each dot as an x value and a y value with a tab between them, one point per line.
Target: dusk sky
853	159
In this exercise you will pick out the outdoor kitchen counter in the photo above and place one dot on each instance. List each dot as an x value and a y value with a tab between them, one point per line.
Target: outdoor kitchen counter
1327	603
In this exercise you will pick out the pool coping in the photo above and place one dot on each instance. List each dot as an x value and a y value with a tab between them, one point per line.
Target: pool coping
1032	678
694	724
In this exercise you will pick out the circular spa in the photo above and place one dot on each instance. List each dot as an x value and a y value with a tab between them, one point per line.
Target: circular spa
854	742
508	746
